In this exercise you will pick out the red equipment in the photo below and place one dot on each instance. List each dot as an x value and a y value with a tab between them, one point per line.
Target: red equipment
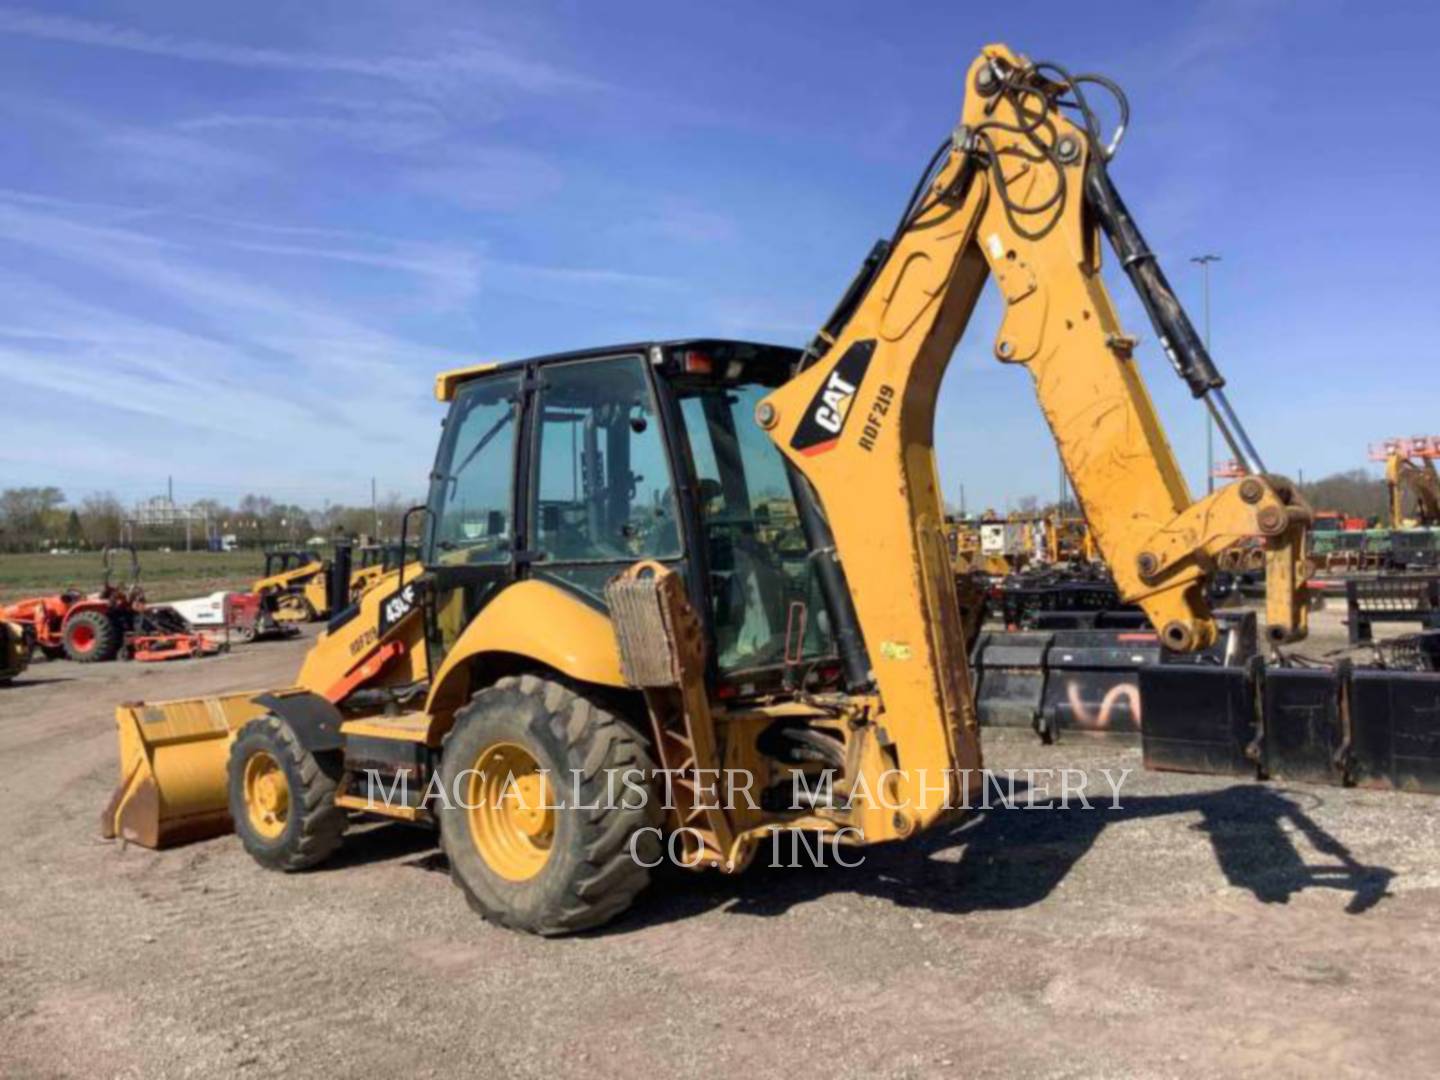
1335	521
106	624
85	628
148	648
249	615
1417	446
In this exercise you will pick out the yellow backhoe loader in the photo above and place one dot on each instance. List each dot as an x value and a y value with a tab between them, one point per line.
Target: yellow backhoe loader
1067	539
294	582
622	654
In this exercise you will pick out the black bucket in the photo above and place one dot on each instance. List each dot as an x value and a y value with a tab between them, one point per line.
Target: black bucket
1091	683
1305	724
1395	721
1010	678
1201	718
1089	620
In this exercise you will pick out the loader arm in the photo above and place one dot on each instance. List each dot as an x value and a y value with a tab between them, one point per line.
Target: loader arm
1020	194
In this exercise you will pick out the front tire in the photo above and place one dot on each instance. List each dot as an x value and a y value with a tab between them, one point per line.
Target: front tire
524	852
282	797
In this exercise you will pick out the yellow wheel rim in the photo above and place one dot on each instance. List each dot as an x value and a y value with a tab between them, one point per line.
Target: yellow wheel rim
508	801
267	795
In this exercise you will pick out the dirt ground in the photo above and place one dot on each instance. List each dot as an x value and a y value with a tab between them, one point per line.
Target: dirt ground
1206	928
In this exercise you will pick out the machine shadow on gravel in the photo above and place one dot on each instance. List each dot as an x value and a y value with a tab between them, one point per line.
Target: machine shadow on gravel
1009	859
384	842
29	683
1015	858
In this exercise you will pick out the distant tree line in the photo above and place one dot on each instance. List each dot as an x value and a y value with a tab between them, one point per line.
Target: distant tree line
41	519
1354	493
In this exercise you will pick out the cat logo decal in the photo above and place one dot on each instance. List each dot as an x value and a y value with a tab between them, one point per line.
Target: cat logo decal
824	420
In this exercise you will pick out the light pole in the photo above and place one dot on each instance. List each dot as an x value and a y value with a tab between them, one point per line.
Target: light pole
1204	261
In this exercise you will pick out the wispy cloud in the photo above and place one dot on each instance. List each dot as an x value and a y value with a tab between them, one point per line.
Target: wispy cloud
273	323
384	125
683	222
173	159
488	178
451	276
469	57
224	358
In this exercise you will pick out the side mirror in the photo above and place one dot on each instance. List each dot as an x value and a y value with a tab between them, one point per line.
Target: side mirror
404	535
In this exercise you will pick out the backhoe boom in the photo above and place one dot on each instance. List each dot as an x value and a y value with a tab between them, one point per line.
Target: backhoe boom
1019	195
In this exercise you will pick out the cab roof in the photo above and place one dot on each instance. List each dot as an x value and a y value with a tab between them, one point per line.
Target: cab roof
721	349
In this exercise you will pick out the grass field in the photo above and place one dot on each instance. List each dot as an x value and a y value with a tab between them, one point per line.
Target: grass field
165	575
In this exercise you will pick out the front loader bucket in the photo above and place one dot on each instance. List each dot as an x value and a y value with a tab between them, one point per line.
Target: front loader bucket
173	758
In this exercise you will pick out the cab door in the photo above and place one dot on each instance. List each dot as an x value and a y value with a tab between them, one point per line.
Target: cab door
471	538
601	490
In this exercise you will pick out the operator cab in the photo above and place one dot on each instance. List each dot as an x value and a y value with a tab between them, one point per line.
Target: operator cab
570	468
283	561
385	556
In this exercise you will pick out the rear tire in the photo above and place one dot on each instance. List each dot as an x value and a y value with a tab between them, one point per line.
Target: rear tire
90	637
576	871
282	797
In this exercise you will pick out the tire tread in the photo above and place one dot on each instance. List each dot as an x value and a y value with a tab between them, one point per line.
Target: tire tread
599	742
322	823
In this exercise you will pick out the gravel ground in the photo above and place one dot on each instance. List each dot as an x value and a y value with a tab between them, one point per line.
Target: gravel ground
1205	928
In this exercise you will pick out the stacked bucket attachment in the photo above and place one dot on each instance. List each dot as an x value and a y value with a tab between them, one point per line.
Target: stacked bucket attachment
1337	724
1023	597
1224	711
1084	675
1201	719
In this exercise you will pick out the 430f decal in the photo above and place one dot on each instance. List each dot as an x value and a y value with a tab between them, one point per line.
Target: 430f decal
397	606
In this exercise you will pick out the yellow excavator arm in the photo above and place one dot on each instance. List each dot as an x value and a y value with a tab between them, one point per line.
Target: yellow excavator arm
1422	480
1020	192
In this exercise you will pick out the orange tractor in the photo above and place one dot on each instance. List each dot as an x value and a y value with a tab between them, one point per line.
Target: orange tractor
93	627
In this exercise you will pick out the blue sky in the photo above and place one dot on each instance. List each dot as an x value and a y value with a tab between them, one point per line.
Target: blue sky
236	241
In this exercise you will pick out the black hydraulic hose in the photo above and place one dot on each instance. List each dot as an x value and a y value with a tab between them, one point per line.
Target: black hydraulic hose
849	301
860	284
1182	345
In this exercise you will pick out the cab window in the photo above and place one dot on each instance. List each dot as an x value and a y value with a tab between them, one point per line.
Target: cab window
602	488
763	586
470	491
